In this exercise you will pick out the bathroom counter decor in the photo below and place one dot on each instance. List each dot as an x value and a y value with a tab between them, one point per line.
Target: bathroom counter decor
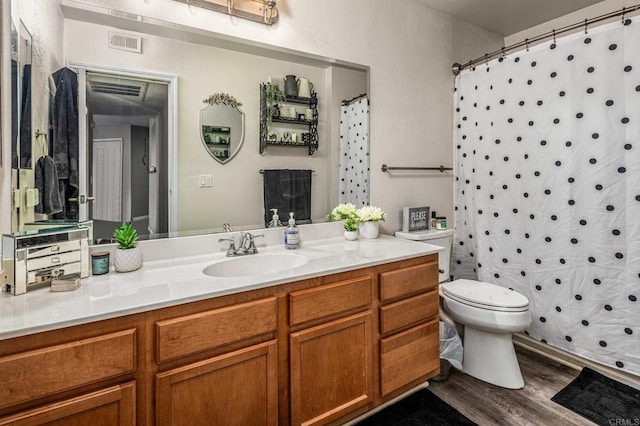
172	275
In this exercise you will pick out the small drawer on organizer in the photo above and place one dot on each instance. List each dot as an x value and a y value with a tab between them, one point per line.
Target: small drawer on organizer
407	312
327	300
407	281
190	334
53	260
42	372
54	248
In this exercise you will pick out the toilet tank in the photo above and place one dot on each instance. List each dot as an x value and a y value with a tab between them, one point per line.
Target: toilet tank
442	238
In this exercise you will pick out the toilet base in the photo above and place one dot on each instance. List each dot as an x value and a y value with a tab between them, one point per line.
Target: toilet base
491	358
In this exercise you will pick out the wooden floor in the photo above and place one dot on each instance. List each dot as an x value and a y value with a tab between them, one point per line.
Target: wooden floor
486	404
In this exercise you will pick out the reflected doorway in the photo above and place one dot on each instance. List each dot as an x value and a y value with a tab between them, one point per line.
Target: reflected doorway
126	137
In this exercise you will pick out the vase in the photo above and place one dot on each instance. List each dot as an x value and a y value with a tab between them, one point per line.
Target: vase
127	260
350	235
369	230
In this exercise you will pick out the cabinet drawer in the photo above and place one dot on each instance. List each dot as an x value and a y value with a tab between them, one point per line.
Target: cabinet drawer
408	312
190	334
407	281
408	356
45	371
314	303
115	405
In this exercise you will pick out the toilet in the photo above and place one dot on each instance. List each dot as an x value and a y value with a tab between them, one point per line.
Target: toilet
489	313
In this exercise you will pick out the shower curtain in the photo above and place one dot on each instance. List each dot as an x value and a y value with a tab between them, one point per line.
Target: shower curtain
548	187
353	185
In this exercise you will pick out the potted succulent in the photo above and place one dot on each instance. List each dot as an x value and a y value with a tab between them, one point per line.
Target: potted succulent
346	212
128	256
273	95
369	218
351	229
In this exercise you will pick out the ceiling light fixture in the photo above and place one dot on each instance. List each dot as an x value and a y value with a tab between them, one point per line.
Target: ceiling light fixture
263	11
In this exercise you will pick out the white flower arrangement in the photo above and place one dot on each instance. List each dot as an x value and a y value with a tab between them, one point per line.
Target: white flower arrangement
370	214
343	211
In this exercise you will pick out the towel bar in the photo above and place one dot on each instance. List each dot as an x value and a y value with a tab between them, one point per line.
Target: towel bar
442	169
262	171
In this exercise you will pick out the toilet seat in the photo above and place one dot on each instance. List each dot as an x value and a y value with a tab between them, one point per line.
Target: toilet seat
485	296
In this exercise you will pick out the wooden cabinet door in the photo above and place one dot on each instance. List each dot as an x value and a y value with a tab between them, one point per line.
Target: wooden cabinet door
115	405
331	370
238	388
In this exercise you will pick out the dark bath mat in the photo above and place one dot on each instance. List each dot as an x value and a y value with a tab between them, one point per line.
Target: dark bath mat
422	408
600	399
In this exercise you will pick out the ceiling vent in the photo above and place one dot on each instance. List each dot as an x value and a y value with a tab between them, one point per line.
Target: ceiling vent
125	15
127	42
114	86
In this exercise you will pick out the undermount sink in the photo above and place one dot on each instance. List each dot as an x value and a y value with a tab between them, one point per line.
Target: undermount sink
257	264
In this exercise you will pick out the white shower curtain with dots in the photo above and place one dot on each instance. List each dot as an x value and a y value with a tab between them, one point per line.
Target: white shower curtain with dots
353	186
548	187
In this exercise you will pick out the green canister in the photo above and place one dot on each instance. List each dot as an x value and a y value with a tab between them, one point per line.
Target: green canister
100	263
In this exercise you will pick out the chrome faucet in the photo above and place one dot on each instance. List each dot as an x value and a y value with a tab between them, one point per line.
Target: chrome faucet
246	244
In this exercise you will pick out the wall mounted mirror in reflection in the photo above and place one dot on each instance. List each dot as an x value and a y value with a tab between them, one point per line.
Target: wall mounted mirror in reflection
222	127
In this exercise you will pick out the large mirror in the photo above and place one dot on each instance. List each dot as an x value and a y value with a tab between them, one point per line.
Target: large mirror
222	127
185	63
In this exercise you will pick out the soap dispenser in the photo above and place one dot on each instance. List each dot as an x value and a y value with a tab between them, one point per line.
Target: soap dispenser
275	220
291	234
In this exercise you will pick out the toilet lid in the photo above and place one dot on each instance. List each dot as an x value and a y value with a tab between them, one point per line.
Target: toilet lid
485	295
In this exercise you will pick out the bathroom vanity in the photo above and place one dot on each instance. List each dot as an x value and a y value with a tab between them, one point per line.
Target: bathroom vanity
322	343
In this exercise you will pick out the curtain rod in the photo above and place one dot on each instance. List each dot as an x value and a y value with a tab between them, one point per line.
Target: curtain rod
348	101
456	68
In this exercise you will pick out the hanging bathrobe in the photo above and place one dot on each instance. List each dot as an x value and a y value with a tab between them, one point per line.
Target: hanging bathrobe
64	144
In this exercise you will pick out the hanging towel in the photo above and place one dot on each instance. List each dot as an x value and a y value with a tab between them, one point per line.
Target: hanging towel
25	119
46	181
288	191
15	155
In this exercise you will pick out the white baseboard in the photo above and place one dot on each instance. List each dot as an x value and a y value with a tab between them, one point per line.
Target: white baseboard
574	361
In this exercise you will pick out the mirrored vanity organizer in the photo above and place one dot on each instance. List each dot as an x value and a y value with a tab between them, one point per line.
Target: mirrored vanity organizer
279	130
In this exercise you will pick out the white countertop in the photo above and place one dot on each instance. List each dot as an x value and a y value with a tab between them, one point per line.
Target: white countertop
175	280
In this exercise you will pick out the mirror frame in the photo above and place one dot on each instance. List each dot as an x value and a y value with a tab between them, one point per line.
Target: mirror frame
222	99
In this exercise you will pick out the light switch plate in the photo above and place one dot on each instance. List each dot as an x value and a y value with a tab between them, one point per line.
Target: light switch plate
205	181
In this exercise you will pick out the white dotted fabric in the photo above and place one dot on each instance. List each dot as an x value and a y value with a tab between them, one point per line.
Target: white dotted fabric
354	153
548	187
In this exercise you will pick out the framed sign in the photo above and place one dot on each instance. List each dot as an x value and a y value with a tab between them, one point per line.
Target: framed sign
415	218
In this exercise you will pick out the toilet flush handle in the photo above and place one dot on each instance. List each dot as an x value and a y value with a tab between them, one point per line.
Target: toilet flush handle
441	271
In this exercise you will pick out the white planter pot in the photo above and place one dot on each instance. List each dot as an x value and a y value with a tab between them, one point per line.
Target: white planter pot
369	230
350	235
128	260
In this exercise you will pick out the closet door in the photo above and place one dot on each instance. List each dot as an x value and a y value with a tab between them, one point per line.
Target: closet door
107	179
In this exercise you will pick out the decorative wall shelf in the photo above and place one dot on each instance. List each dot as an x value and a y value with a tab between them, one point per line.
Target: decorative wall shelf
308	139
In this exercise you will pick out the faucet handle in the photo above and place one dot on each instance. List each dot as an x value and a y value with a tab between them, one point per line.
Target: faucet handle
231	251
252	244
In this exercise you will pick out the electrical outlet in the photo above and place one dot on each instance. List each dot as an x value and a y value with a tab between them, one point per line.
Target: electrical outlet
205	181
